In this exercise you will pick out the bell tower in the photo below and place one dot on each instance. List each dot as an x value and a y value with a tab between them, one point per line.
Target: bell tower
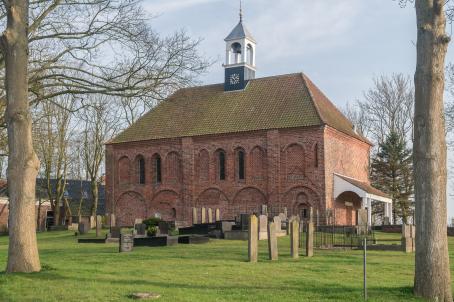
240	57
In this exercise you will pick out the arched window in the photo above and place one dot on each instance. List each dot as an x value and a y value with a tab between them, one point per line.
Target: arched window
204	165
250	55
221	165
235	53
141	170
240	164
173	166
157	169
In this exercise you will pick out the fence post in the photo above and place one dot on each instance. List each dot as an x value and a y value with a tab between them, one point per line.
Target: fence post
364	267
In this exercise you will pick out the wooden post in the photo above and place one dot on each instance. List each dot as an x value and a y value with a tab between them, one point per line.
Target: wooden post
272	241
253	239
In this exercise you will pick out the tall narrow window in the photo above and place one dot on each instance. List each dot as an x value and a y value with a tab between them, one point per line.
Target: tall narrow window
241	166
157	170
141	170
221	165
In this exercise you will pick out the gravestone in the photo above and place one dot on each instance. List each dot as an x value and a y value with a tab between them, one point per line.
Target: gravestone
408	238
141	229
203	215
294	238
310	239
92	222
285	212
194	216
115	232
386	221
163	228
362	221
244	222
406	231
210	215
226	226
272	241
218	215
112	220
126	243
278	223
98	225
253	238
73	227
263	227
84	227
283	217
138	221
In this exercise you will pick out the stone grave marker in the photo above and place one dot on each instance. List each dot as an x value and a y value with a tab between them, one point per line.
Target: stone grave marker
112	220
294	238
138	221
98	225
310	239
218	215
283	217
115	232
84	227
272	241
285	212
253	238
362	221
244	221
141	229
195	219
386	221
126	243
278	223
203	215
263	227
264	209
210	215
163	228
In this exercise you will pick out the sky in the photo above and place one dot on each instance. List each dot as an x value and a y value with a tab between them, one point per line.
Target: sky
340	44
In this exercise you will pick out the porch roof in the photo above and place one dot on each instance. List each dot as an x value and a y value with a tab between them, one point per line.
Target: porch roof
363	189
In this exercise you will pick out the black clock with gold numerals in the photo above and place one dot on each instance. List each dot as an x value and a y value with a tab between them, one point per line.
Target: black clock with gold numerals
235	78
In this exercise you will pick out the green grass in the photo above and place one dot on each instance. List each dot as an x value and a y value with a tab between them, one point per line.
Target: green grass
216	271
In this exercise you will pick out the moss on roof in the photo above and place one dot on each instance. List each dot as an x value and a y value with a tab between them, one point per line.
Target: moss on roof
284	101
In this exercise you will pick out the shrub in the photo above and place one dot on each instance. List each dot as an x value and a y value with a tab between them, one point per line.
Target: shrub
152	230
174	232
152	221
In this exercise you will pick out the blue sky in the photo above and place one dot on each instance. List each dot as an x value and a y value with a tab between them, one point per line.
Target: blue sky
340	44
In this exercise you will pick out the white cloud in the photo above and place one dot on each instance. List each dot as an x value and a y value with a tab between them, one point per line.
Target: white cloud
166	6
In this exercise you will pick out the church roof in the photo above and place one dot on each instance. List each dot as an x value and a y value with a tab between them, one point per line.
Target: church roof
239	32
284	101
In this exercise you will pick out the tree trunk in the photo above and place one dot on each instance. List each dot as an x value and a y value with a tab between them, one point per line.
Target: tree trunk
23	163
94	194
432	274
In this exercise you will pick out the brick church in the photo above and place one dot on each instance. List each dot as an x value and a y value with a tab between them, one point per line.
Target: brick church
275	141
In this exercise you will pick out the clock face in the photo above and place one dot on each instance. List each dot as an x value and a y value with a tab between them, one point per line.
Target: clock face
234	79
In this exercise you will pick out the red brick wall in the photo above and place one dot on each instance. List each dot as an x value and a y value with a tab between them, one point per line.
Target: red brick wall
347	156
284	168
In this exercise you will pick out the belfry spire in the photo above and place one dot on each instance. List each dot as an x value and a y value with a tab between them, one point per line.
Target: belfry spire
241	11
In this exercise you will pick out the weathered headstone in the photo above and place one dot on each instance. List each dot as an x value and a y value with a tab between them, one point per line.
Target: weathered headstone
195	218
244	221
84	227
73	227
386	220
310	239
253	238
362	221
408	238
203	215
226	226
285	212
283	217
278	223
112	221
92	222
263	227
210	215
126	243
218	215
138	221
141	229
98	225
163	228
115	232
272	241
294	238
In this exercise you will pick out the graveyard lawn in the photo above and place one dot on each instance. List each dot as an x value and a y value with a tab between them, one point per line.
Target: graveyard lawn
216	271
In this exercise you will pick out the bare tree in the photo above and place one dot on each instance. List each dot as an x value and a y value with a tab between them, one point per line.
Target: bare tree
432	270
23	163
358	117
52	134
101	123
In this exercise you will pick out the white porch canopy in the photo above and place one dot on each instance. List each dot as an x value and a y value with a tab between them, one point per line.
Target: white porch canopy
365	191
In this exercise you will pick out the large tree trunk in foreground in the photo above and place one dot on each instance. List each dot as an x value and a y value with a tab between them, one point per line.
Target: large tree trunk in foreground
432	272
22	162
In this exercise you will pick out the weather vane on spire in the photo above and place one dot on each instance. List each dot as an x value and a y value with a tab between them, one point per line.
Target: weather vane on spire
241	11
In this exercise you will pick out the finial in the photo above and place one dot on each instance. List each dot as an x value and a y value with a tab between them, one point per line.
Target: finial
241	11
